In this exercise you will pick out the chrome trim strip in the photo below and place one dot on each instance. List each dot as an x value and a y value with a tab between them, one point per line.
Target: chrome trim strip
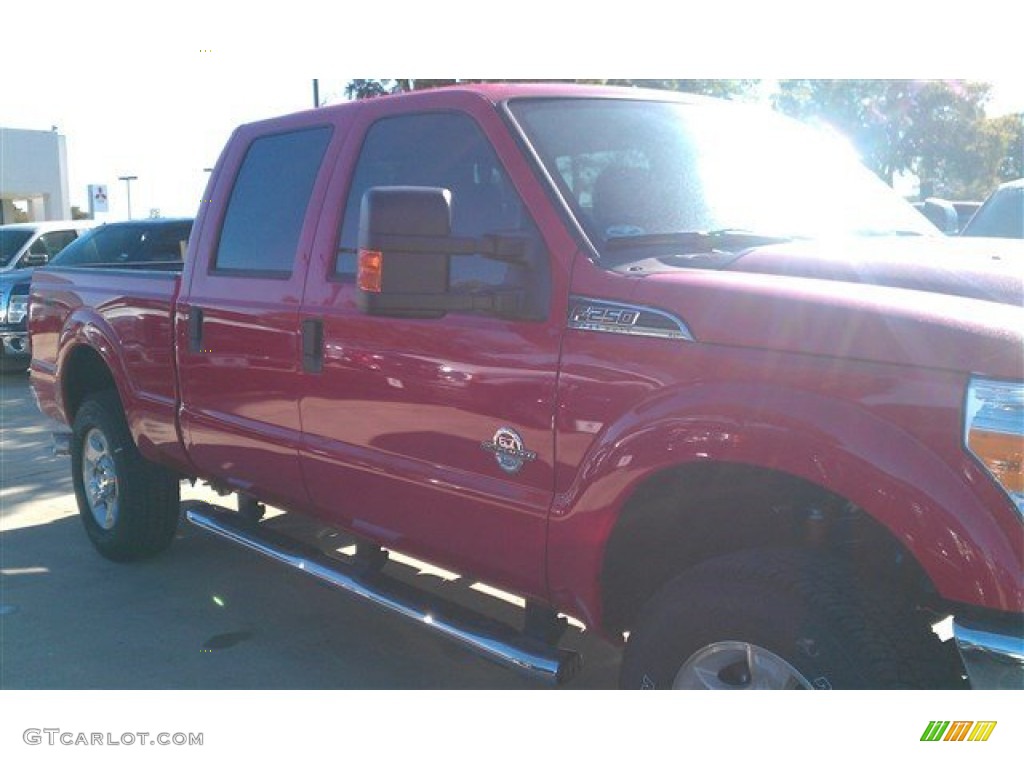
679	331
492	639
993	660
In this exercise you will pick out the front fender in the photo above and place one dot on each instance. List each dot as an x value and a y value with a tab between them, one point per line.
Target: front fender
888	444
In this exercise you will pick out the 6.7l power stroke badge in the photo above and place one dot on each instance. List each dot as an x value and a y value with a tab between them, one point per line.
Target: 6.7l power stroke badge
508	448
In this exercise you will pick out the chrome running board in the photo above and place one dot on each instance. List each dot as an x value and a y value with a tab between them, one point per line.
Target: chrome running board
491	639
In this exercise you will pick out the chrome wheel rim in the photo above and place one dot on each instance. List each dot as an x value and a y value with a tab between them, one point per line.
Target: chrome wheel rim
99	478
733	666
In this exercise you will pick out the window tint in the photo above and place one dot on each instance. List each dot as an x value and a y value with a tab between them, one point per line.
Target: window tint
128	244
55	242
12	241
268	203
439	150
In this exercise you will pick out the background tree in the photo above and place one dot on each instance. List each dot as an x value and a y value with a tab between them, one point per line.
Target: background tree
366	89
725	89
991	154
935	129
362	89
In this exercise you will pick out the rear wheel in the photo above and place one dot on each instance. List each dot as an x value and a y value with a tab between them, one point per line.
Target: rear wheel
128	505
781	620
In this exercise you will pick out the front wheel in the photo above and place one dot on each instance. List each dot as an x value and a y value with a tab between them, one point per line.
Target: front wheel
128	505
781	620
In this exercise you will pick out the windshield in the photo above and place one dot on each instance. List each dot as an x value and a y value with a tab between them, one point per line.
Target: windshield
647	174
12	241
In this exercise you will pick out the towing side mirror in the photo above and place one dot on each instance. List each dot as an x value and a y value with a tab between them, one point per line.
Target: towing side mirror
405	245
35	260
403	242
37	255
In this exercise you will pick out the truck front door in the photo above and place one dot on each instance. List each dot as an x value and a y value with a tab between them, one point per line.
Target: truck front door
435	436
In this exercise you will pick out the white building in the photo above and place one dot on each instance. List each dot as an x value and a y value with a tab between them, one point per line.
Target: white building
33	168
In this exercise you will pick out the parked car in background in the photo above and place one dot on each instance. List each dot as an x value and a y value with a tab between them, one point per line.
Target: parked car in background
22	248
950	216
1002	215
35	243
965	209
152	244
14	345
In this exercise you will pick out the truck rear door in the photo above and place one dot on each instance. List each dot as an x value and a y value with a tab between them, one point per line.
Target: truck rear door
435	436
237	340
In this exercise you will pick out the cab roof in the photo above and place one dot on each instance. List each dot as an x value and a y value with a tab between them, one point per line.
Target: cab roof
494	93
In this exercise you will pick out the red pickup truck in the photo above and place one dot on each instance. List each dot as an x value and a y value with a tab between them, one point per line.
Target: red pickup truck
678	368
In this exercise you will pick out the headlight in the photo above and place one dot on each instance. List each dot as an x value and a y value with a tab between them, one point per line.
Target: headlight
994	432
17	308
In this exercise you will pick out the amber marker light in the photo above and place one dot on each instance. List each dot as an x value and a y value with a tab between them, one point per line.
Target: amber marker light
994	432
371	268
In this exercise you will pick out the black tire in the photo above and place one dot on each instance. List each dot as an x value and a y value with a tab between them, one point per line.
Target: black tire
130	506
810	624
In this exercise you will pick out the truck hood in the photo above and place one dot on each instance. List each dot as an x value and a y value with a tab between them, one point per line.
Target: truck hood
15	276
943	303
989	269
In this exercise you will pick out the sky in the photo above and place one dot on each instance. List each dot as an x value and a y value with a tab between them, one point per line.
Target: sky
167	134
157	97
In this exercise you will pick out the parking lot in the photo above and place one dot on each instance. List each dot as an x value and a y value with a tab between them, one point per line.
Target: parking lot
204	615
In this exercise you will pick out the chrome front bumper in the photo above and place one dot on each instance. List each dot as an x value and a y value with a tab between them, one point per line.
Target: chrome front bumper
993	658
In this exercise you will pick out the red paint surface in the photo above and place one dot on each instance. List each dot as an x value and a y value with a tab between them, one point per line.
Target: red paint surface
857	389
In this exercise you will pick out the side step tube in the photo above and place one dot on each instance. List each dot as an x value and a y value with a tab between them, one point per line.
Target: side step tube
492	639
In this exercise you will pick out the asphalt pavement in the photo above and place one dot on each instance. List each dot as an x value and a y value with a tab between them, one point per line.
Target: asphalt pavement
204	614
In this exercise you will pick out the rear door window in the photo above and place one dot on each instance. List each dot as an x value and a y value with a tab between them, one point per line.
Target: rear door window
264	215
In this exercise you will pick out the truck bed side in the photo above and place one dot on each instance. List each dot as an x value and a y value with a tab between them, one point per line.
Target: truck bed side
94	328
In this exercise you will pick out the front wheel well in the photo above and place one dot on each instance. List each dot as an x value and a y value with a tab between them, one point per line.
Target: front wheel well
683	516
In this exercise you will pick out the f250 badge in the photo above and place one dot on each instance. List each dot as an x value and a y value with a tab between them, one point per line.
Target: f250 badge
507	447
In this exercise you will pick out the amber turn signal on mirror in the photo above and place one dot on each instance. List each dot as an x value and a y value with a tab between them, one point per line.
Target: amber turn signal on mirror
371	268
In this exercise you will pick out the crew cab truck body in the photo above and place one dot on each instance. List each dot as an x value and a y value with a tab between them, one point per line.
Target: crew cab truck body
519	332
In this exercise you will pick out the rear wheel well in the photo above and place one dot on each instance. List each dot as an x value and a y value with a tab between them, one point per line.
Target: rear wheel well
684	516
84	373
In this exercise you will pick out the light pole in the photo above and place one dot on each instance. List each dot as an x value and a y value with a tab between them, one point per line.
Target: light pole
128	183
